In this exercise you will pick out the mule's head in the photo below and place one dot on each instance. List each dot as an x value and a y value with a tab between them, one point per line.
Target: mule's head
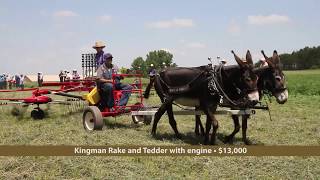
247	80
275	81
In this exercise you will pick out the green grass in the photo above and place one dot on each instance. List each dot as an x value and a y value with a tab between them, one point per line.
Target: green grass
305	82
294	123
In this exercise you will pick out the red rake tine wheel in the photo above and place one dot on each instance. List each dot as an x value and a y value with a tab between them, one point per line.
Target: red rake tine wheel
92	119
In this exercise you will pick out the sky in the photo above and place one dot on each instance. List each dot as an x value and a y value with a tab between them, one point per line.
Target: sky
50	35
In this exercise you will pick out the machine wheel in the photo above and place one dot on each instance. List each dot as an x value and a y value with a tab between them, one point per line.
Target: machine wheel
146	119
137	119
92	119
37	114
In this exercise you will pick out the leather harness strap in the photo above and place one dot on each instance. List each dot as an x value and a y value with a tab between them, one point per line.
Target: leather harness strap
180	89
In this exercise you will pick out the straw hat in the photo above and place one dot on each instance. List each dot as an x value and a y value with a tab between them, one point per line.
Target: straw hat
99	44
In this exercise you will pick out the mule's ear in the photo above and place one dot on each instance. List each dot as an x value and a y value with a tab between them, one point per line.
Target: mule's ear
269	60
239	61
275	58
249	58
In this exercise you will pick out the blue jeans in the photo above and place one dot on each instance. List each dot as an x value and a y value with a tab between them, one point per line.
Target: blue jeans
125	94
106	95
107	99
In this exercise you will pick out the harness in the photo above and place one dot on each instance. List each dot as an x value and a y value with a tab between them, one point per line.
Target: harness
215	87
181	89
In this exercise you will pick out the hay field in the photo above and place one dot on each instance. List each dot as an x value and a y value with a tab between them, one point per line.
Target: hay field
294	123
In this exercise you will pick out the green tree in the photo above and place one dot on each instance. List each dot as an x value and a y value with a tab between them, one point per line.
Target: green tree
306	58
158	58
139	64
123	70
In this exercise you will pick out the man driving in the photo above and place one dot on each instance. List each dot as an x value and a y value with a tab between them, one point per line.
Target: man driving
104	74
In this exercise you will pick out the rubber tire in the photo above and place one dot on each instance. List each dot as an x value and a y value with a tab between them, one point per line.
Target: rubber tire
146	119
37	114
41	114
97	118
137	119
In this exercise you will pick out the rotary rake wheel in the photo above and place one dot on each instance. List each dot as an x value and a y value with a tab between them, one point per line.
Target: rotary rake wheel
75	105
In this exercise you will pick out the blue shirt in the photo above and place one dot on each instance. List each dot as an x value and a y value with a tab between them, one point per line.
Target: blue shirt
152	72
99	58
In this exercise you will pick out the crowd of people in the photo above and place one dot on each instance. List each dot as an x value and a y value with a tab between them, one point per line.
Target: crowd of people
11	81
66	76
8	81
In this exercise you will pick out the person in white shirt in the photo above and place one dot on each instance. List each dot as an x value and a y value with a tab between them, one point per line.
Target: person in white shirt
22	77
75	75
68	77
40	79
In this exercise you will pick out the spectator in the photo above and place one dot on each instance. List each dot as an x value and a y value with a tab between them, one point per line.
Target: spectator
61	76
152	72
68	76
22	77
65	74
40	79
75	75
11	81
164	66
5	77
1	82
17	79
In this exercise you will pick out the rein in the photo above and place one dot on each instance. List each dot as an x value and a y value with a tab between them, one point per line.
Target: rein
269	98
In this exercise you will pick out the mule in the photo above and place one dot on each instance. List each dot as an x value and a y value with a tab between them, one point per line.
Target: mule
202	87
271	81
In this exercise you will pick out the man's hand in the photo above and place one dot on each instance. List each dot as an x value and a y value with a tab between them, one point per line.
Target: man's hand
104	80
119	77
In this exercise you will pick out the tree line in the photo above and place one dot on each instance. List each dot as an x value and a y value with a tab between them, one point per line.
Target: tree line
306	58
